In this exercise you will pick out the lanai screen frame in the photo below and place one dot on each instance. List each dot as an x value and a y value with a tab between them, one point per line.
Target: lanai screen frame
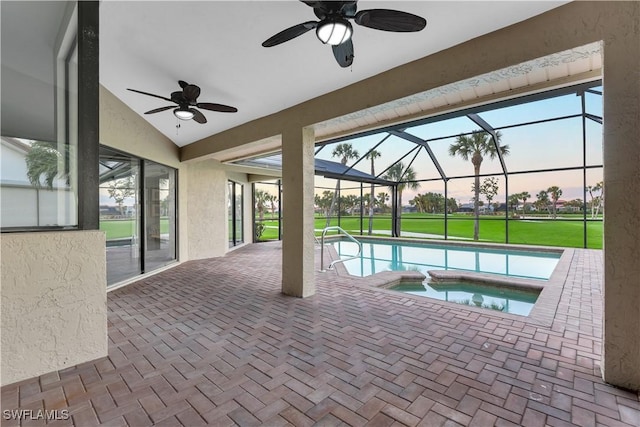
472	113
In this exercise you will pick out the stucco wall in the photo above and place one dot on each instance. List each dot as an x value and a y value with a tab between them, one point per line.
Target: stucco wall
54	304
207	206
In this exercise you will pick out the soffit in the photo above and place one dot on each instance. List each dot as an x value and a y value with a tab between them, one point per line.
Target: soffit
571	66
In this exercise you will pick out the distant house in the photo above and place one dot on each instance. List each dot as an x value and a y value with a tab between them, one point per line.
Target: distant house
468	208
567	208
465	208
501	207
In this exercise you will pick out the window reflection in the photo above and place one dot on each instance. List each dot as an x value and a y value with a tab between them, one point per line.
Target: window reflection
38	177
160	218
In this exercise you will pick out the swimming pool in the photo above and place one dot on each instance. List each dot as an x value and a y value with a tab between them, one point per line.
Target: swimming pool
532	266
384	255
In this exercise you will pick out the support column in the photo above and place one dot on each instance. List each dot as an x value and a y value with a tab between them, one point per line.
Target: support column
298	266
621	92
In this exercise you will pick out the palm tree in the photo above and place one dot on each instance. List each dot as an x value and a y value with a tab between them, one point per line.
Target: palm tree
474	147
260	197
513	203
524	196
555	192
590	189
395	173
600	199
272	199
324	201
345	152
44	160
381	200
452	205
542	201
417	201
372	155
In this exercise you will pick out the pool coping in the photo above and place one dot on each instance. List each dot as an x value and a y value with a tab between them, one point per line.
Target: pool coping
543	311
449	242
454	276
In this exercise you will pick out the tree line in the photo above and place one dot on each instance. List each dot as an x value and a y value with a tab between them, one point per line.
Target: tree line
473	147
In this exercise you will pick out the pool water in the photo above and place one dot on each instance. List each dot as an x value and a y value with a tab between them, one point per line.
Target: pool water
501	299
381	256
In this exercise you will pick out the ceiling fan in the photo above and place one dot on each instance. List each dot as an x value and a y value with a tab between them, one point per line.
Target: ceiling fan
186	99
335	29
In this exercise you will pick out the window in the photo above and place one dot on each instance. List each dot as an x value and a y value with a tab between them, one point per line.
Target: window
39	143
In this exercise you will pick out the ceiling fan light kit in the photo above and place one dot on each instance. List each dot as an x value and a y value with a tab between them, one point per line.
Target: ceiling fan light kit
184	113
334	30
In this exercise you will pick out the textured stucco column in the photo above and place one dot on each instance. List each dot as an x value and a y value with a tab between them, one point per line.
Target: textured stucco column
298	224
207	210
621	84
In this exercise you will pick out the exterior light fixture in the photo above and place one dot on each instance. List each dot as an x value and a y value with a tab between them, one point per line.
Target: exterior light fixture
334	30
184	113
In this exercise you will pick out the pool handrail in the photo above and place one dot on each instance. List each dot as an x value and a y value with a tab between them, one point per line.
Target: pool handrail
356	241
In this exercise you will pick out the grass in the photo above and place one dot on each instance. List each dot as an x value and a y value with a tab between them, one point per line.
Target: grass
539	231
123	228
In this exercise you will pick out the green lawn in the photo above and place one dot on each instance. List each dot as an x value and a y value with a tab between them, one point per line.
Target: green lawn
121	228
540	231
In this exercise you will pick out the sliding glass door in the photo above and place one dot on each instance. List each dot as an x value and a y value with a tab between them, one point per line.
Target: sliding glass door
137	214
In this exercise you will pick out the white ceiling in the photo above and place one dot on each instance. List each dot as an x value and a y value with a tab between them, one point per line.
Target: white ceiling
150	45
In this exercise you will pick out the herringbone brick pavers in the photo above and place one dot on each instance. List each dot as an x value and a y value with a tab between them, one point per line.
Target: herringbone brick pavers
214	342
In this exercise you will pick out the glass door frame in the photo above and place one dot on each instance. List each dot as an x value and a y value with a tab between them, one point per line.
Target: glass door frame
233	213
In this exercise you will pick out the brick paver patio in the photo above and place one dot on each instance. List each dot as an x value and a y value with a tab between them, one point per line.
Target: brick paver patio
215	342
